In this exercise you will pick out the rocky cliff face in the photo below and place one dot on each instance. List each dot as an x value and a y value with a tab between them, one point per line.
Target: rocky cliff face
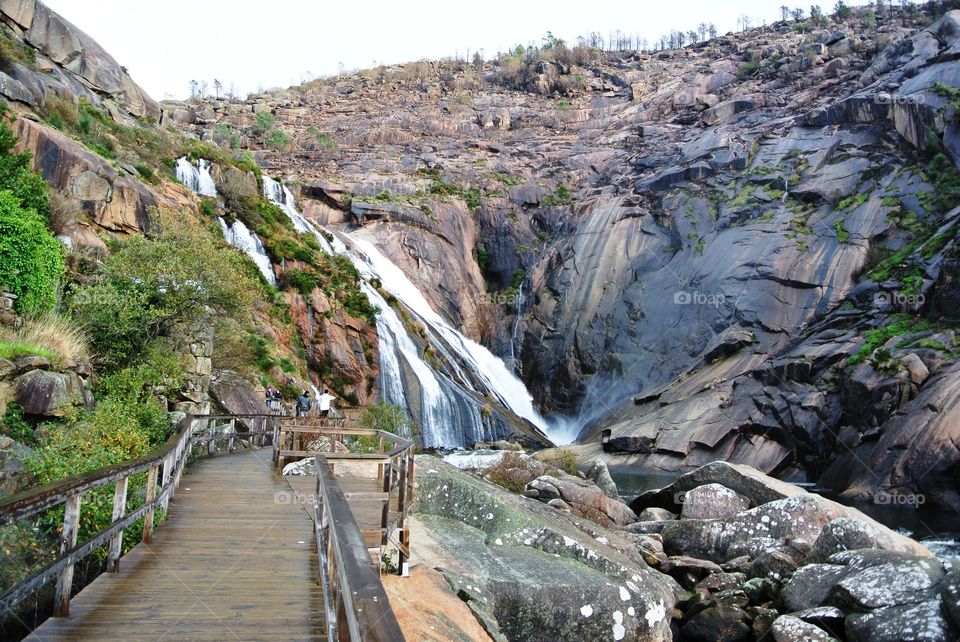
66	62
701	250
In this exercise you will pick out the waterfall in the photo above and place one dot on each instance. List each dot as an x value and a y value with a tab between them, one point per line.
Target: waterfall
450	411
497	378
239	236
196	177
281	196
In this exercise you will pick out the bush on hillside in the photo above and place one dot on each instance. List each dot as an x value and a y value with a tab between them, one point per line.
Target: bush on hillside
148	284
31	259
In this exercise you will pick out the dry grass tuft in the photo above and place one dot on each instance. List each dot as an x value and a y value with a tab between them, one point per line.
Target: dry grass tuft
50	335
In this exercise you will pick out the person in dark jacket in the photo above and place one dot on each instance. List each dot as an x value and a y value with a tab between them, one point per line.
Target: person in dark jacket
303	404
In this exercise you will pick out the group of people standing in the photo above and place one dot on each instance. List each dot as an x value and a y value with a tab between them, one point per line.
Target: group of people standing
304	404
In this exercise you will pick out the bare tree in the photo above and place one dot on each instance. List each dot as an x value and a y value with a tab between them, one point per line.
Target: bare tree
203	88
797	14
702	30
194	85
712	31
784	12
745	22
217	88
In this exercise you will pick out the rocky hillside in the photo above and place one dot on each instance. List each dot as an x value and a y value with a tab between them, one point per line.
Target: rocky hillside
740	250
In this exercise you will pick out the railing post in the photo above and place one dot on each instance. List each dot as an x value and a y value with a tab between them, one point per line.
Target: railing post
68	539
151	495
119	510
401	511
212	443
165	478
233	435
385	515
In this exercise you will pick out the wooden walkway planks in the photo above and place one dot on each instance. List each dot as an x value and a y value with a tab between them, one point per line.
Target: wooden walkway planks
236	560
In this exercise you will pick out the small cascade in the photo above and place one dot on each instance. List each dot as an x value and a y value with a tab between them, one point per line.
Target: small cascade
239	236
282	197
514	360
196	177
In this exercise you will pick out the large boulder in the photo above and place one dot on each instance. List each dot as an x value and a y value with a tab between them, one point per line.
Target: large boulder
529	572
13	456
112	200
713	501
797	521
44	393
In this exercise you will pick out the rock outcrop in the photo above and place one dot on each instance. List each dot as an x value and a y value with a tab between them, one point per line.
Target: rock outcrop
68	62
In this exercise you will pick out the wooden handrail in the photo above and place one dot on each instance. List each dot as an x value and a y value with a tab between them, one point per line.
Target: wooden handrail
356	603
161	485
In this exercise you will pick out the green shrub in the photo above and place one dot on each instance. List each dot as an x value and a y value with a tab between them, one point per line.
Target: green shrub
389	418
747	69
31	259
13	425
148	284
278	139
263	122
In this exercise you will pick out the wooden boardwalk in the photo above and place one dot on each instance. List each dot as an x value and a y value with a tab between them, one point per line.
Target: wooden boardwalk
236	560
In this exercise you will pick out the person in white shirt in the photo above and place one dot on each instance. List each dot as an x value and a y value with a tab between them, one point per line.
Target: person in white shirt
323	403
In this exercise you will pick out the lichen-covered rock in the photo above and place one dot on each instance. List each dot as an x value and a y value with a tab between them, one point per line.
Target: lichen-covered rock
788	628
533	573
712	501
920	622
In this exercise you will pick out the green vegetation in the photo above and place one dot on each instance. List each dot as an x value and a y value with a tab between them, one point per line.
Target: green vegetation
263	122
13	51
389	418
324	139
560	198
225	135
148	284
747	69
470	195
878	336
483	257
31	259
562	458
278	140
13	425
852	202
57	338
842	234
951	93
564	105
505	179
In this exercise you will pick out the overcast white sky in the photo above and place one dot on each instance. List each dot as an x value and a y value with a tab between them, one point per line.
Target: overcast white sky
273	43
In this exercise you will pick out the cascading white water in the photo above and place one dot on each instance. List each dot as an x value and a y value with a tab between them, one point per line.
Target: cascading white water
491	369
450	417
281	196
196	177
239	236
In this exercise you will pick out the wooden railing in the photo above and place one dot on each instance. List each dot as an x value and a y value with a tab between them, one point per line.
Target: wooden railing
394	461
356	603
164	468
